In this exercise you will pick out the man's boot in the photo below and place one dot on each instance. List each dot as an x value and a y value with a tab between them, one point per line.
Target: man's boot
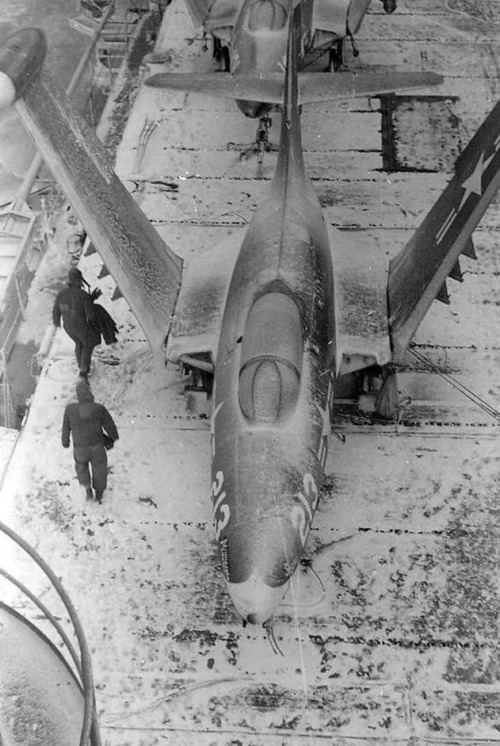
89	493
98	496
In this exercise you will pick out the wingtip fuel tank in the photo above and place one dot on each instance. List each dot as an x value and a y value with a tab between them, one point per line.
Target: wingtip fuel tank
20	62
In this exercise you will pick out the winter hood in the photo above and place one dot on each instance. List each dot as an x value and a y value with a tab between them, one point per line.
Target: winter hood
75	277
83	392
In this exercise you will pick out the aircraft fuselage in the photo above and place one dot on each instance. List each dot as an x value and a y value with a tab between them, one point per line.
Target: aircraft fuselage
259	43
259	37
273	393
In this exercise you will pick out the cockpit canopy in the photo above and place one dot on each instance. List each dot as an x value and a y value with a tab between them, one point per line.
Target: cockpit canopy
271	360
266	15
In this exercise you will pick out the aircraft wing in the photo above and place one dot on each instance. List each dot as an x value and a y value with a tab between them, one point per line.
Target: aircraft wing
362	332
145	269
202	297
313	87
418	274
147	272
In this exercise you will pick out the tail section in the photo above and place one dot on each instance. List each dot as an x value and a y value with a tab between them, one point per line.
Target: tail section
146	271
313	87
418	274
290	164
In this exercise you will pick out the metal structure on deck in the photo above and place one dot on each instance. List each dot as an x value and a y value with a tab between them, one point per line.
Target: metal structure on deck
57	703
19	255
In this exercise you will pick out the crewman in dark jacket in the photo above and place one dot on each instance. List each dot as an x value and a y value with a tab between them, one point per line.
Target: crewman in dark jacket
90	425
76	307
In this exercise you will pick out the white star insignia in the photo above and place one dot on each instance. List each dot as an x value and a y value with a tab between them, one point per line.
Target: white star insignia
473	183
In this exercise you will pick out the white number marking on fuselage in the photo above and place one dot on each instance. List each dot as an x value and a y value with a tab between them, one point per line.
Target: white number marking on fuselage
302	514
222	512
299	522
222	522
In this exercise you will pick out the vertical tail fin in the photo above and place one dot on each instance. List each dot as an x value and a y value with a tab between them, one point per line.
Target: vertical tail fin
290	153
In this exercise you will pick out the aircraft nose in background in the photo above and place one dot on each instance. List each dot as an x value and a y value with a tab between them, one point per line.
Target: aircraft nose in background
254	600
252	109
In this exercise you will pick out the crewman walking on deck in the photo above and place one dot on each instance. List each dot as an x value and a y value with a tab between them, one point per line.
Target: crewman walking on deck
93	431
76	307
75	236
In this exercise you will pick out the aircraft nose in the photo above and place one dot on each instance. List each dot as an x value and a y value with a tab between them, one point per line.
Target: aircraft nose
254	600
252	109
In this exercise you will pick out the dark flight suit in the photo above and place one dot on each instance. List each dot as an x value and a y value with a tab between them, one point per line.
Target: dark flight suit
76	308
86	421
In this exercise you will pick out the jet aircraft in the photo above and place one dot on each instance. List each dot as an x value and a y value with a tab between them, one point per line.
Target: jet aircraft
255	32
278	327
232	23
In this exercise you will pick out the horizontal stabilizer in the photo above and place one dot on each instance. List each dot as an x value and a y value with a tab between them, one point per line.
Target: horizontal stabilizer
417	275
313	87
225	85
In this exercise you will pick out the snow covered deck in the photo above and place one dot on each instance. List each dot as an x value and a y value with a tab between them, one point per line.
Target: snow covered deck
391	632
